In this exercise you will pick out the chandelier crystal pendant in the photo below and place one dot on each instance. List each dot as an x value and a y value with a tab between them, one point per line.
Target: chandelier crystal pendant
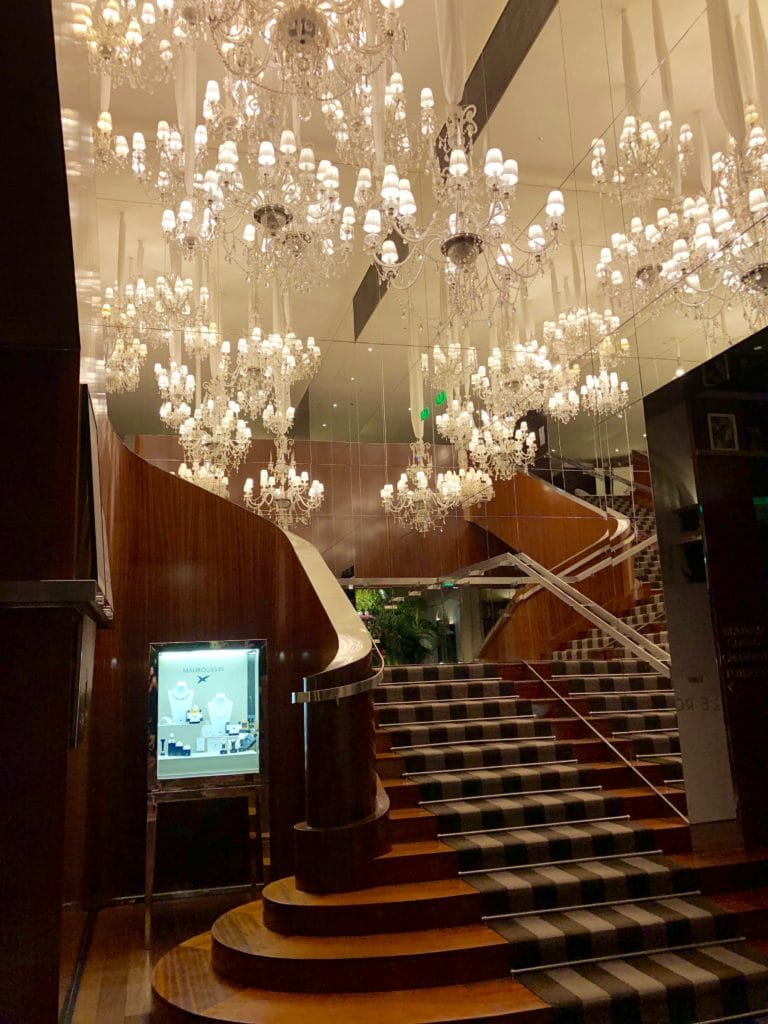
161	173
285	496
521	378
307	48
234	112
413	502
134	41
292	225
470	236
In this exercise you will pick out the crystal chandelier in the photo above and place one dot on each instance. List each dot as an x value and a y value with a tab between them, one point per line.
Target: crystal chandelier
267	367
308	48
604	394
134	42
285	496
234	112
451	367
162	173
210	478
190	231
500	448
124	360
413	502
292	224
470	236
520	378
645	160
583	329
177	390
126	329
215	434
350	121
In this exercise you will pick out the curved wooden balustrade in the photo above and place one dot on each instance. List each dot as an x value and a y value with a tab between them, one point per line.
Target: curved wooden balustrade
346	807
187	565
561	532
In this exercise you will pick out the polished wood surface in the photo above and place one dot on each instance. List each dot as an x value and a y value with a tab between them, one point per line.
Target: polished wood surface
351	529
441	903
187	565
248	953
187	989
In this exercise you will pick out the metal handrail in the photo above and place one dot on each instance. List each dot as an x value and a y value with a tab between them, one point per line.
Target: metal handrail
596	614
337	693
593	471
605	740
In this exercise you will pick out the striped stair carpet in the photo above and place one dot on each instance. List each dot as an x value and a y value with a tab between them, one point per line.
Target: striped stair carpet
599	923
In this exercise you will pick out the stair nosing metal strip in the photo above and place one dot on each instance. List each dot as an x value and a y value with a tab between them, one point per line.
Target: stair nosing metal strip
494	767
587	906
486	739
493	796
557	863
541	824
630	956
456	721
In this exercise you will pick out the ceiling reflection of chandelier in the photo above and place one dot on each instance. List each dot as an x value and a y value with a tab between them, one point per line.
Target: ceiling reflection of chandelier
210	478
413	502
645	161
502	446
125	357
470	236
307	48
604	394
292	224
134	41
177	387
285	496
351	122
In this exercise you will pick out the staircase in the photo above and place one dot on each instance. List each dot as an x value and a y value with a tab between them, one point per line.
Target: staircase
567	847
534	876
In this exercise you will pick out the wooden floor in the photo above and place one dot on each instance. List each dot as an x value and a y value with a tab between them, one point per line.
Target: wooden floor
115	986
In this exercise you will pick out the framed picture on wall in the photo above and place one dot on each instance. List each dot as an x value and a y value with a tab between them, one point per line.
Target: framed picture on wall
723	436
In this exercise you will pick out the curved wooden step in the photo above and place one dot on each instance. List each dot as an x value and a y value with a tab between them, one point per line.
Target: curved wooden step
246	952
444	903
186	989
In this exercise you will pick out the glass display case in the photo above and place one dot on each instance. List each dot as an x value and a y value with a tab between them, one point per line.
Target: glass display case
205	708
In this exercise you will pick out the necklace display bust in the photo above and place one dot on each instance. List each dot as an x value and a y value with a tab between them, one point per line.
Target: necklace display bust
180	698
219	713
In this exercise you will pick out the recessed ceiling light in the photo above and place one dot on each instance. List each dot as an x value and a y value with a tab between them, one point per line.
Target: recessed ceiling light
643	435
335	405
325	424
370	348
758	348
679	371
351	378
615	449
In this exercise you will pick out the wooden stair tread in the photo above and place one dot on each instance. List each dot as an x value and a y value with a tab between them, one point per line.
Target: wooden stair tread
187	988
721	858
743	900
242	930
417	848
284	891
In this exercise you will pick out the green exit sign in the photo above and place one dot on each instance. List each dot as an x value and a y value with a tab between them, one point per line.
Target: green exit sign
440	398
424	414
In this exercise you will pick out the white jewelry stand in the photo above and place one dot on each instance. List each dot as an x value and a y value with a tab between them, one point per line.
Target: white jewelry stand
219	713
180	698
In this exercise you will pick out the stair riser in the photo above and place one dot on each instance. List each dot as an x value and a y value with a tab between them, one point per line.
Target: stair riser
428	867
412	830
398	916
382	974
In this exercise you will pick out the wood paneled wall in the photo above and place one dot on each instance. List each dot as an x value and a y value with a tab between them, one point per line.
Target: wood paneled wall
352	529
188	566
